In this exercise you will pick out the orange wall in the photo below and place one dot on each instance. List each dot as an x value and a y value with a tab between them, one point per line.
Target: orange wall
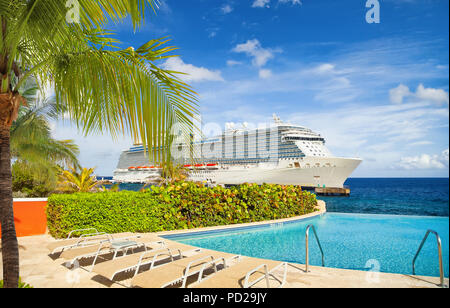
30	217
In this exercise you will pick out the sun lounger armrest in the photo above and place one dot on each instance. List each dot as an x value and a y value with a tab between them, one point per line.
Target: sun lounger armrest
216	262
87	237
188	267
127	238
162	243
209	264
248	284
79	230
159	252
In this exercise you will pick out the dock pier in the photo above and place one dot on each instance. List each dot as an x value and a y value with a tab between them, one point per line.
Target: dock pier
320	191
329	191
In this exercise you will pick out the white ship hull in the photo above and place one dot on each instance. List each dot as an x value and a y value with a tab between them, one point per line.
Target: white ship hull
331	172
310	172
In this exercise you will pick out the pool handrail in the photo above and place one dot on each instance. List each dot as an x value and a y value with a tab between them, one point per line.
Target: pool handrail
307	245
441	268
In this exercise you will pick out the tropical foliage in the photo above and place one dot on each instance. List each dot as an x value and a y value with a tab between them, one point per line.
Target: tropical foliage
36	153
27	182
102	87
180	205
31	137
170	173
109	187
22	285
73	180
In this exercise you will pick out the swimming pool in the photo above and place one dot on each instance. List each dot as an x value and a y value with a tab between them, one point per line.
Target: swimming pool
349	241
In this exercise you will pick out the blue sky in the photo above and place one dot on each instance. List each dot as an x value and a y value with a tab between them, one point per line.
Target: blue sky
375	91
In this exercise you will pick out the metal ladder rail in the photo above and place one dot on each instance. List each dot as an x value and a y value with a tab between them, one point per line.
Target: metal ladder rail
307	245
441	268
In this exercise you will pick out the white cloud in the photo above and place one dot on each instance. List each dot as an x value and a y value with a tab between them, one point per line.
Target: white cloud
420	143
261	3
398	94
254	49
233	63
265	3
226	9
193	73
437	96
265	73
293	2
425	161
347	128
260	56
324	68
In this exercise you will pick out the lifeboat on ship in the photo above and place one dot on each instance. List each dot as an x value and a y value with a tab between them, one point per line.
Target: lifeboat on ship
131	168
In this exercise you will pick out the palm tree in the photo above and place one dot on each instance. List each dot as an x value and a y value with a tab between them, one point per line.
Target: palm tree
74	181
32	146
31	140
102	87
171	173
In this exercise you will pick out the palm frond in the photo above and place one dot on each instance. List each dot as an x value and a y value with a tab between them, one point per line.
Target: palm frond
120	92
31	137
102	87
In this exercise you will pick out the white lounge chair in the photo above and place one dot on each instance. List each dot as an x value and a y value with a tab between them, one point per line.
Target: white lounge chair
239	275
180	270
135	262
111	246
85	239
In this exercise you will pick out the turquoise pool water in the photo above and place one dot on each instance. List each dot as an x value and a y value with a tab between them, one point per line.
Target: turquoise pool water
349	241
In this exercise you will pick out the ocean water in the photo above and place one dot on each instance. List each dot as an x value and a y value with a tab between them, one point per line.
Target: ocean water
394	196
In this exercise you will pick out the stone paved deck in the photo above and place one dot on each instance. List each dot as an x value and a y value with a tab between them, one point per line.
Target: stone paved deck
39	270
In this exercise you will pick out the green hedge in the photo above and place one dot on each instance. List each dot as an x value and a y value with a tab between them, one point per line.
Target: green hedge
182	205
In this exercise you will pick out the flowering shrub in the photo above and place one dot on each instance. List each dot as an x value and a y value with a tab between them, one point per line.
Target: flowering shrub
181	205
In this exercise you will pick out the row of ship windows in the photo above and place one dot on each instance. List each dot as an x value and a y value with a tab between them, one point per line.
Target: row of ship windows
238	159
303	138
232	155
239	147
212	147
253	148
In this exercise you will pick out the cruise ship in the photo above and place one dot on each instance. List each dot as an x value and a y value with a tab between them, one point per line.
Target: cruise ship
281	153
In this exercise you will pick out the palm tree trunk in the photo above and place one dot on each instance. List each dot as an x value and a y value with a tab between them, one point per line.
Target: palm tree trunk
9	245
